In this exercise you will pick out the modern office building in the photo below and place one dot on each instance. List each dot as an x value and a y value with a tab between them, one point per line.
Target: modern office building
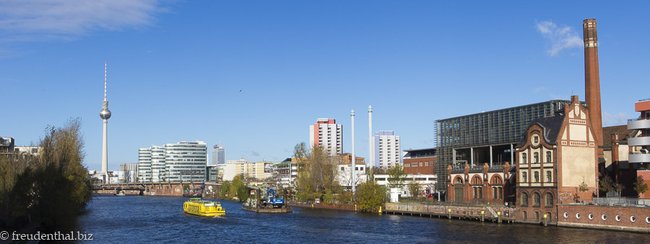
640	142
144	165
388	152
327	134
186	161
487	137
218	155
420	161
158	165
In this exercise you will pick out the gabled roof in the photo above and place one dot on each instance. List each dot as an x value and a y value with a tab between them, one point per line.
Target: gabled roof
551	127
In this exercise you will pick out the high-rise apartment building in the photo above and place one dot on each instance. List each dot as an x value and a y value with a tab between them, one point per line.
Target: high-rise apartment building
387	149
327	134
218	155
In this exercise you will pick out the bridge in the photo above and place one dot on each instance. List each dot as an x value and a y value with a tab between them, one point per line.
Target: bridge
155	189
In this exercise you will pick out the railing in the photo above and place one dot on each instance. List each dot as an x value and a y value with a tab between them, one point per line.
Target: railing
621	201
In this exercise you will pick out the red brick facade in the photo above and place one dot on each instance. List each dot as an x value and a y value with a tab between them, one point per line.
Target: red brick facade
605	217
423	165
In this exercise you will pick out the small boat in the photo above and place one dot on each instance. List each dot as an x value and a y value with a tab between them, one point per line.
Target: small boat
200	207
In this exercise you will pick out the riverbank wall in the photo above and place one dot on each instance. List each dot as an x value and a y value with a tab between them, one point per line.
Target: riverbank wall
343	207
623	218
477	213
619	218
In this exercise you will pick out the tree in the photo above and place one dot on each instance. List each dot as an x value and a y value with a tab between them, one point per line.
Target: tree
414	189
370	196
396	176
316	173
640	186
606	184
50	190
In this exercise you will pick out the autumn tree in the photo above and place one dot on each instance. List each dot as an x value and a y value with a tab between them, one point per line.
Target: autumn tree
370	196
316	173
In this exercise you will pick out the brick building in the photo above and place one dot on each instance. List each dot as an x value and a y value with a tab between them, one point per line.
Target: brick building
557	163
420	161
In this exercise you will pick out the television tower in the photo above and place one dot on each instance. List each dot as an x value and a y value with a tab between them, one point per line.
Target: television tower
105	114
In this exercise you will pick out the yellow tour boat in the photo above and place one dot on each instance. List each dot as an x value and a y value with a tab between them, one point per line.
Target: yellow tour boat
199	207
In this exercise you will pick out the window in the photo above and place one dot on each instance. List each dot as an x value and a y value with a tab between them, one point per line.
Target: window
536	157
535	139
548	176
536	176
536	199
524	176
548	157
549	200
524	199
524	159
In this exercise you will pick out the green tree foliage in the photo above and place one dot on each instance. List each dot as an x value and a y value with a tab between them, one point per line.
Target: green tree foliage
414	189
640	186
235	188
316	174
606	184
370	196
396	176
48	191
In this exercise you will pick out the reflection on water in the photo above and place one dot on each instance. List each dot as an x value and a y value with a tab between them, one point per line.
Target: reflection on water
136	218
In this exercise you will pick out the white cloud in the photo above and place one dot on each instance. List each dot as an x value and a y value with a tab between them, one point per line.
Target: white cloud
560	37
29	20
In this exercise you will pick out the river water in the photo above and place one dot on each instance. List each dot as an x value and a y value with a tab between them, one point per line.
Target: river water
152	219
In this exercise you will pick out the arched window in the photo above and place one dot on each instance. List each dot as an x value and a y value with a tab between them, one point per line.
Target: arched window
549	176
524	199
548	157
524	177
549	200
536	157
536	176
536	199
524	158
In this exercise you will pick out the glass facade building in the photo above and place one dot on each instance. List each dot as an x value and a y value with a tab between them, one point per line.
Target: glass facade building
487	137
186	161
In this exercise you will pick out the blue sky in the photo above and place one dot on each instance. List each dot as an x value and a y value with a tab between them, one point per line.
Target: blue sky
252	75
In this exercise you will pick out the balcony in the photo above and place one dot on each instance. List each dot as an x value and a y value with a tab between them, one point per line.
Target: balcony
639	141
639	158
638	124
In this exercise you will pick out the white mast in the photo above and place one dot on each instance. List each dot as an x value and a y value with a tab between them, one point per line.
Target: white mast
371	148
354	165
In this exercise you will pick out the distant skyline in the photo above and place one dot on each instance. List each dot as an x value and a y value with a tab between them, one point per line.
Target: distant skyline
252	76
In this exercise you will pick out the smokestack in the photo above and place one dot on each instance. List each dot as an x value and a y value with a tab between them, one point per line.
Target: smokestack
592	81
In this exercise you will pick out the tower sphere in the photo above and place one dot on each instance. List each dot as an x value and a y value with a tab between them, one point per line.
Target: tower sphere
105	113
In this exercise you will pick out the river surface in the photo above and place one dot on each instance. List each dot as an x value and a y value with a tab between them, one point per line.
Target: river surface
136	219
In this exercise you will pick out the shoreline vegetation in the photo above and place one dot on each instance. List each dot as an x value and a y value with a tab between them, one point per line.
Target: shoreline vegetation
48	191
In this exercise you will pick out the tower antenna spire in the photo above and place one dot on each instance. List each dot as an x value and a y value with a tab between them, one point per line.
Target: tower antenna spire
104	80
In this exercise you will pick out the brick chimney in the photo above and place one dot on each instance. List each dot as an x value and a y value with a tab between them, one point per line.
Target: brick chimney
592	81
